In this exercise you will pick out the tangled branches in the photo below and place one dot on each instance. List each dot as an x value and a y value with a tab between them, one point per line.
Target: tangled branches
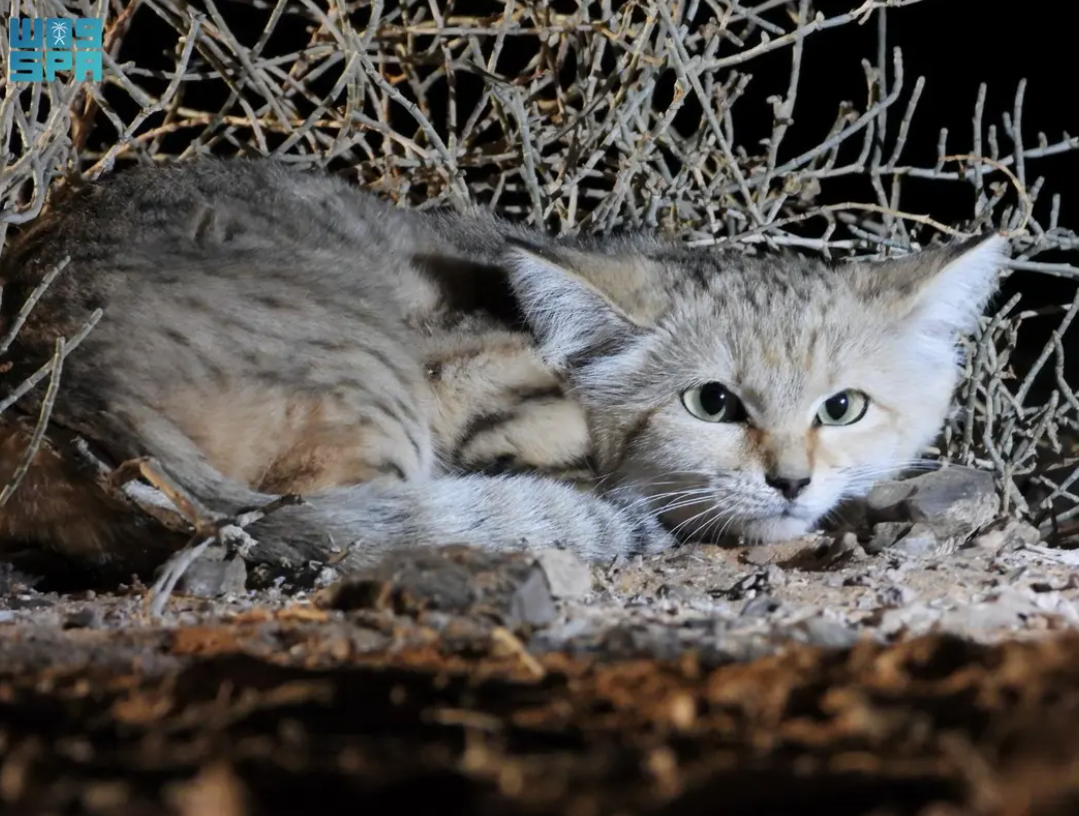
611	115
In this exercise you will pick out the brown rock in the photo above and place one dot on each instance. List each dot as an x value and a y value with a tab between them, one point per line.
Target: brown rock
508	588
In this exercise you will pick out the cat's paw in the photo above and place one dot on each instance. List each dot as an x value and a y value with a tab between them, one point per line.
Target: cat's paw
645	534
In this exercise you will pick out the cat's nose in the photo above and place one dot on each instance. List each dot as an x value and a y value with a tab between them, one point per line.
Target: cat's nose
790	488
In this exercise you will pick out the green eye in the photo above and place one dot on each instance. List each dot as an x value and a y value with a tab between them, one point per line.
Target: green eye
844	408
713	402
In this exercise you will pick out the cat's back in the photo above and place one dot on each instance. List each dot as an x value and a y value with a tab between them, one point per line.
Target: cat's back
141	221
262	310
221	252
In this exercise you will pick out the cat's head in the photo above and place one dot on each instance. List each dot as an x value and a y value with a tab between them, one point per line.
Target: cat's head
750	395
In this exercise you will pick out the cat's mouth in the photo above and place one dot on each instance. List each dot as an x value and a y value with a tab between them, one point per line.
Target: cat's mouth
764	525
711	509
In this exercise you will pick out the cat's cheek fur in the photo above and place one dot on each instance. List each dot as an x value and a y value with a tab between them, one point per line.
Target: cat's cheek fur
660	463
915	412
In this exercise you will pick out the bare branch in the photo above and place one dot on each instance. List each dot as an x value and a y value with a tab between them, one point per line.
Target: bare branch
570	120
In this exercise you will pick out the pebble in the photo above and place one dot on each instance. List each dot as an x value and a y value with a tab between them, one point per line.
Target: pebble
959	497
955	501
532	604
820	631
920	541
885	534
212	579
568	577
89	617
760	606
885	502
1013	534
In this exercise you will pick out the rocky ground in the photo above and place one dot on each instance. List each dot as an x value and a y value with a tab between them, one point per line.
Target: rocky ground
908	664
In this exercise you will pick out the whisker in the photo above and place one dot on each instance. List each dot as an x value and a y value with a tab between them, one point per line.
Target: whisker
688	502
723	522
724	528
692	519
668	497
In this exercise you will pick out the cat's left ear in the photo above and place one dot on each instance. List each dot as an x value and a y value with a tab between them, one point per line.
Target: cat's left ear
571	318
944	290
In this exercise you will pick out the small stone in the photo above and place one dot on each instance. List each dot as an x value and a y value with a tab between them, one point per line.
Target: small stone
760	606
954	497
235	581
1020	533
914	619
846	544
885	534
1008	610
28	602
993	540
469	584
886	501
615	566
756	582
841	548
212	579
897	595
775	576
1014	535
683	594
215	552
819	631
326	576
533	604
758	556
921	541
567	575
89	617
237	539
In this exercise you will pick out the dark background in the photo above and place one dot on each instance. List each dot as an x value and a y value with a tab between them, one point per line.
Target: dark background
956	45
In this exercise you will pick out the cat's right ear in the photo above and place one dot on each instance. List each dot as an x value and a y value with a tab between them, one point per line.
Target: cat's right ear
570	317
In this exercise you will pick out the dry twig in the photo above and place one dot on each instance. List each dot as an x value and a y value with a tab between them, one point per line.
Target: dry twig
570	120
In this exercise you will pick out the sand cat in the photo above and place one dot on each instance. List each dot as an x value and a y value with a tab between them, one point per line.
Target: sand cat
429	377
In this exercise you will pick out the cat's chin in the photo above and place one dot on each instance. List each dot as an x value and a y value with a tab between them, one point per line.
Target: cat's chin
771	530
753	531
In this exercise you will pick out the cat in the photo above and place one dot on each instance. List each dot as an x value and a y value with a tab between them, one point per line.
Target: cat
426	377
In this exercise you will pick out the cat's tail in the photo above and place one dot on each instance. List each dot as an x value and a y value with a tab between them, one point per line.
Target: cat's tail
367	520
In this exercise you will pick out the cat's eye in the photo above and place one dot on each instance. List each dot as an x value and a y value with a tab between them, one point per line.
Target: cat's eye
713	402
844	408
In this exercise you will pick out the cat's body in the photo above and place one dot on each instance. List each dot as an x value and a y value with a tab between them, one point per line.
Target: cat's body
438	378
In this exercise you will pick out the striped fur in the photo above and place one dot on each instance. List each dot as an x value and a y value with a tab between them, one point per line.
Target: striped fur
436	377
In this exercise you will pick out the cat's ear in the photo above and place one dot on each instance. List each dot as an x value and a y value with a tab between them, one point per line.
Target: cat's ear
942	290
571	318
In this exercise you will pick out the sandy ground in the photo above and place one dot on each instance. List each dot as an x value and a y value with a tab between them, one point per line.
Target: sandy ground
902	669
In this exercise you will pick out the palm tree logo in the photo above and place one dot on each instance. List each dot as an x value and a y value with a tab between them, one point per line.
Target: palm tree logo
58	33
